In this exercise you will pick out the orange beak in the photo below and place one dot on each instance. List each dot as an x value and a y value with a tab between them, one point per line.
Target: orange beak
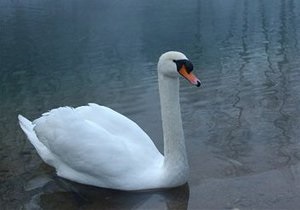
189	76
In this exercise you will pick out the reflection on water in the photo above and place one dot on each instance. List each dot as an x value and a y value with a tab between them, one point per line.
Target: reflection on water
241	127
61	194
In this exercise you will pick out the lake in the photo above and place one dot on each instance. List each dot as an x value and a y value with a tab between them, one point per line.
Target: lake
242	127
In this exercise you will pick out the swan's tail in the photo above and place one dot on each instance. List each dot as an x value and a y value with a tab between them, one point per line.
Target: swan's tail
28	129
26	125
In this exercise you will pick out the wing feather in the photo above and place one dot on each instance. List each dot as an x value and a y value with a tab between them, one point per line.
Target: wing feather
86	139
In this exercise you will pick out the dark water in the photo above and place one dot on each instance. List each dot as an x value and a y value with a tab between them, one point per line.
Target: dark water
242	127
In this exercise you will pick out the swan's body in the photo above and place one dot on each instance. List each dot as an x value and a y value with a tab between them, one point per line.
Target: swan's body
97	146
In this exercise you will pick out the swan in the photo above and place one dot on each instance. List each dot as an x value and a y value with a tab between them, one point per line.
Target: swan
98	146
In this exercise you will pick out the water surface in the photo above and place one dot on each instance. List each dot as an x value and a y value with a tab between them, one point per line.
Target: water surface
241	128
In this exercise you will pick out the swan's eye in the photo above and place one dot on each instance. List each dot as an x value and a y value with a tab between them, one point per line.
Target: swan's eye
184	62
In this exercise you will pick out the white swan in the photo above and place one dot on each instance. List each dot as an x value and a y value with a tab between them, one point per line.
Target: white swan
97	146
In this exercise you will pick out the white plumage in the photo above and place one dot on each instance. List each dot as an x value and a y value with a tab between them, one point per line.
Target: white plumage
97	146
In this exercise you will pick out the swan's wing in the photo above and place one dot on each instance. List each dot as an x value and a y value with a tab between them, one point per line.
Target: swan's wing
116	124
88	148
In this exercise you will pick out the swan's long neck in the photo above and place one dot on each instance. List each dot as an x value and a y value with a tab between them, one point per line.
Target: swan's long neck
175	162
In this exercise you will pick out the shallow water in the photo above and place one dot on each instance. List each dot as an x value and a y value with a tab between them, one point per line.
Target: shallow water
242	127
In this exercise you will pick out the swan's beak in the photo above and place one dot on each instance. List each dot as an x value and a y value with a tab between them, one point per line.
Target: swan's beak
189	76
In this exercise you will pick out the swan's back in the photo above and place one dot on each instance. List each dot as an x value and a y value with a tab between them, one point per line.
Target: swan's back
98	146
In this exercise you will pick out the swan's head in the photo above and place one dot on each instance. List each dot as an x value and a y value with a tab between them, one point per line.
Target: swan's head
173	64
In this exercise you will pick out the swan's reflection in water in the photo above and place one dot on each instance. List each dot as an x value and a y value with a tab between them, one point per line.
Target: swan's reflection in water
59	193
